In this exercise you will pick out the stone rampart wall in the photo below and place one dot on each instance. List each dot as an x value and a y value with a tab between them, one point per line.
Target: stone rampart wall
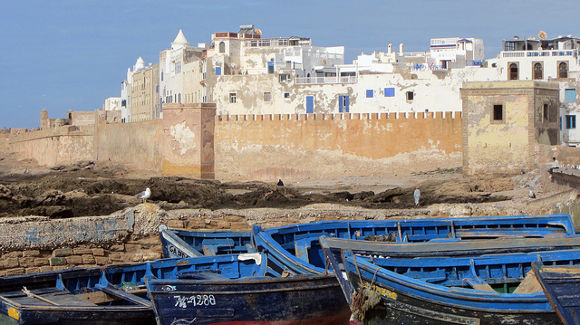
136	145
301	146
50	147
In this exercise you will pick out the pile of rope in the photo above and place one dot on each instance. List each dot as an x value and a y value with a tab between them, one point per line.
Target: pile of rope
363	300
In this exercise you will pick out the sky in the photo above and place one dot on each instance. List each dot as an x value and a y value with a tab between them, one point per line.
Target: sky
73	54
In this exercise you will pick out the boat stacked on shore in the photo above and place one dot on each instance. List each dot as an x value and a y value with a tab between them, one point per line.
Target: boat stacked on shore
458	270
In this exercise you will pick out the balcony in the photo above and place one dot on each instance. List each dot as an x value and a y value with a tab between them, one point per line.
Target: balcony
543	53
325	80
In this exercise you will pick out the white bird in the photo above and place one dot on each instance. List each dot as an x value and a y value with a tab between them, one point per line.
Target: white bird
417	196
144	195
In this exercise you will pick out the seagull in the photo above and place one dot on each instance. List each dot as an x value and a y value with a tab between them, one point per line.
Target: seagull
280	183
416	196
26	171
144	195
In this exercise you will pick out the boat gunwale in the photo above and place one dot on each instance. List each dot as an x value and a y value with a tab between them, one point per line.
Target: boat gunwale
452	292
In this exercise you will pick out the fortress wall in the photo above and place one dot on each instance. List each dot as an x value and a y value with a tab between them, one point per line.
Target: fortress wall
135	144
302	146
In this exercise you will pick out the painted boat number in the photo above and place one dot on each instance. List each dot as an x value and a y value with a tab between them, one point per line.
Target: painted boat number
382	291
199	300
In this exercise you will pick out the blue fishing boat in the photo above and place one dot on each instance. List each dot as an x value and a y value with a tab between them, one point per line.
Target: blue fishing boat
492	289
111	295
184	243
334	249
280	298
249	299
297	246
254	300
561	284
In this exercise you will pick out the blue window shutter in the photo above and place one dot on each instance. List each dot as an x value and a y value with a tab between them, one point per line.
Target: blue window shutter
309	104
571	95
389	92
369	93
218	71
570	121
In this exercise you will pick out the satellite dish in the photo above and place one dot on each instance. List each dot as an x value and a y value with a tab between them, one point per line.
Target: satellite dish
542	35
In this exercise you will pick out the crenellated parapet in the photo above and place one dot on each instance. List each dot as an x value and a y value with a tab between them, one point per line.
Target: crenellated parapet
340	116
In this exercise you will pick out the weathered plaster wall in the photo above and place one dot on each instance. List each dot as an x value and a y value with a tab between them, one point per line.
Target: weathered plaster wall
510	145
5	140
291	146
61	145
187	140
82	118
429	93
133	144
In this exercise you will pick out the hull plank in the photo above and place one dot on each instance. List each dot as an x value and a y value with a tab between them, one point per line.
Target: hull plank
302	300
561	284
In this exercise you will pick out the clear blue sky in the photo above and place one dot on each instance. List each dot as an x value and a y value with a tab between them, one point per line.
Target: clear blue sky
72	54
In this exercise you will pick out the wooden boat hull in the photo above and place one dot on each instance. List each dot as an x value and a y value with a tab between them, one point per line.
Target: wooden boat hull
98	296
402	300
64	315
289	301
561	284
298	249
408	310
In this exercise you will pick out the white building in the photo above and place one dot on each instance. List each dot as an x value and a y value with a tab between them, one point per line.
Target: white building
550	60
112	104
455	52
126	89
171	64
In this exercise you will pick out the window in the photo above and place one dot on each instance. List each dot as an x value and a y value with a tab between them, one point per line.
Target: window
410	95
546	113
563	70
177	67
284	77
286	95
267	96
570	95
161	75
389	92
513	71
570	121
369	93
222	47
497	114
538	71
232	97
179	98
218	71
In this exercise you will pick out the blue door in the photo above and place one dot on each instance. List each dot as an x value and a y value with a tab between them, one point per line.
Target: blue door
270	67
343	104
218	71
309	104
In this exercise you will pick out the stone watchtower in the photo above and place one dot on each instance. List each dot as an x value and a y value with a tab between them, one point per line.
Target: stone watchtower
44	123
187	145
507	124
